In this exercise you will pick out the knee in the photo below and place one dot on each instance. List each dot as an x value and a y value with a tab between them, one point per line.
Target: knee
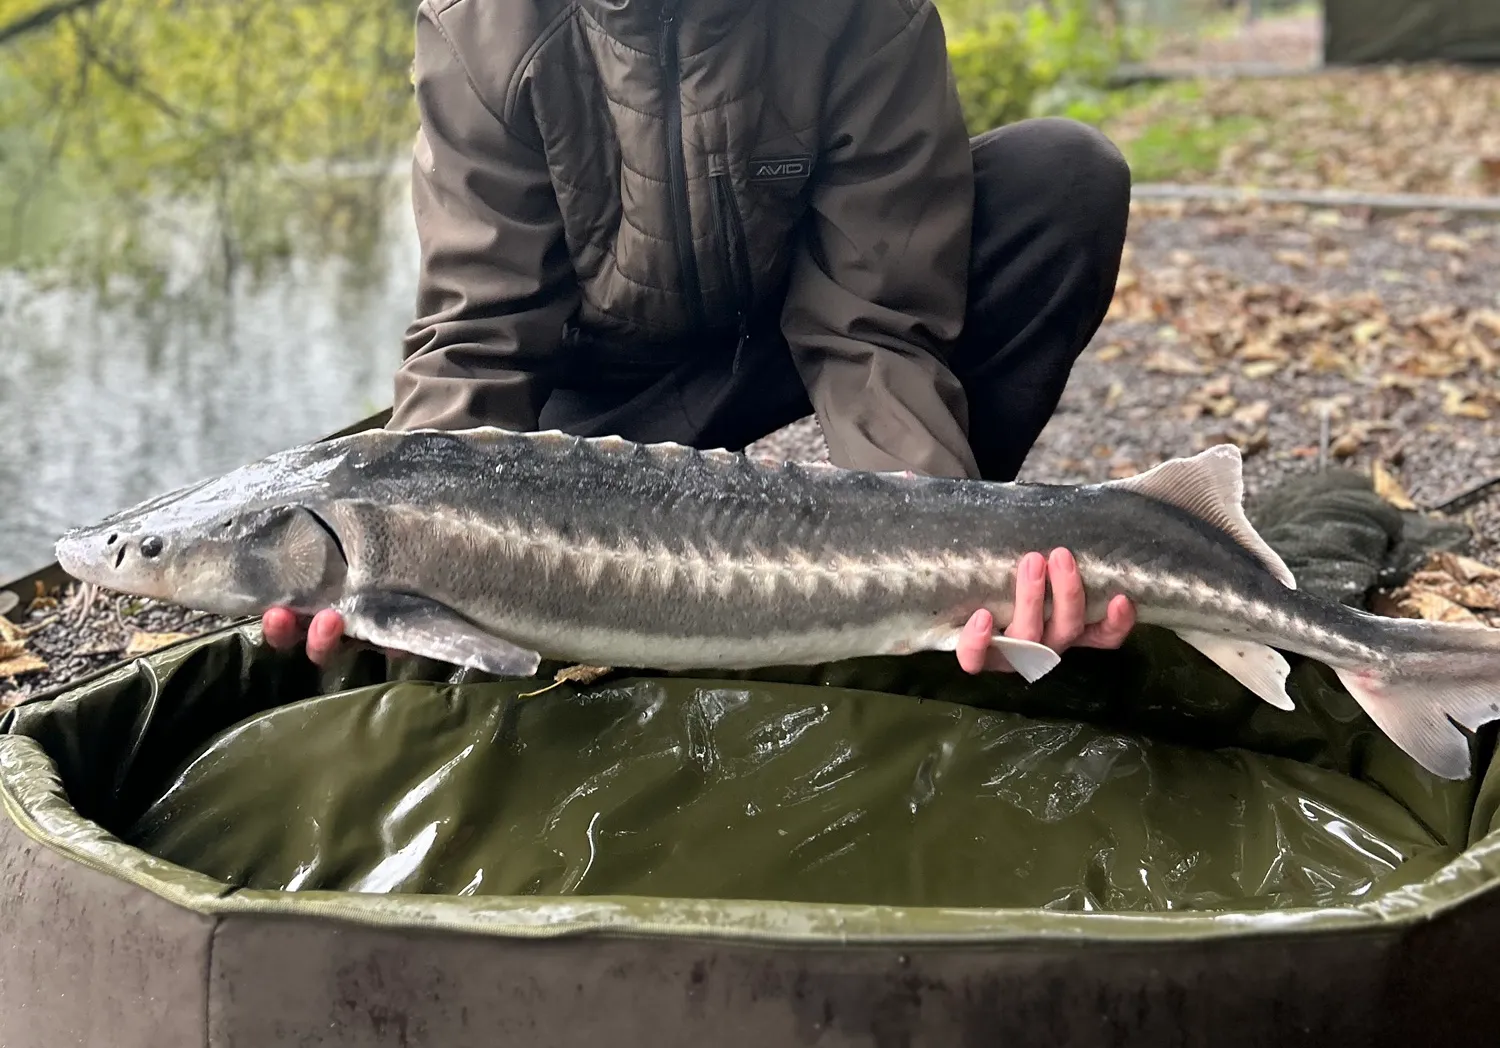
1071	171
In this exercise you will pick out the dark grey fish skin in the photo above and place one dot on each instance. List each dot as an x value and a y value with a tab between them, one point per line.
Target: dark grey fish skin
491	548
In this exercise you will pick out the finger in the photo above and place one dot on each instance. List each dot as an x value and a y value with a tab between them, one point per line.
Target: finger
1118	621
974	641
323	636
282	628
1066	582
1031	595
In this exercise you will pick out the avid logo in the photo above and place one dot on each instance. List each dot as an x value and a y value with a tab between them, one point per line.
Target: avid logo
779	168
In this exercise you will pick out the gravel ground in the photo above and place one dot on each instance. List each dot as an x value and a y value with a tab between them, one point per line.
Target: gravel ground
69	635
1419	289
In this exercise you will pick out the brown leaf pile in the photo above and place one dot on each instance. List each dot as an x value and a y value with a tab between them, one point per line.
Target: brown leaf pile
1449	588
1416	130
1208	323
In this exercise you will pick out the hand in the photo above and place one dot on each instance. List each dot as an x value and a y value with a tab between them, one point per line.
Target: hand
283	629
1065	629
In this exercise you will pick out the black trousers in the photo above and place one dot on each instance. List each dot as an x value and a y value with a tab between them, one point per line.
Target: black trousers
1052	202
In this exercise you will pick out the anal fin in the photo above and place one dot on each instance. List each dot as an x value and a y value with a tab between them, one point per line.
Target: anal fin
1261	669
425	627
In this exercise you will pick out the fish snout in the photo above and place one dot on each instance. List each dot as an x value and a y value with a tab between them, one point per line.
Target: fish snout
96	555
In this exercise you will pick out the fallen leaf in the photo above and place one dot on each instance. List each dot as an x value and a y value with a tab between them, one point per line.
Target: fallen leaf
1253	414
1448	243
8	601
581	674
1167	362
1262	350
99	647
1218	387
1466	569
1220	407
1477	598
9	649
1367	332
1346	444
1436	608
1260	369
142	643
1255	443
1294	259
1113	351
1457	403
1389	488
1121	470
21	664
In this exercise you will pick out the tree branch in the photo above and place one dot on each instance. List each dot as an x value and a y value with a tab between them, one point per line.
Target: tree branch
42	17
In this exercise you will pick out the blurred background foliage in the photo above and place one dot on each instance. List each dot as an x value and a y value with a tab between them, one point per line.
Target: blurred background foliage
254	125
1014	61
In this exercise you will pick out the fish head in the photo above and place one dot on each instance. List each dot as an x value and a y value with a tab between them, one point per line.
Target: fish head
236	545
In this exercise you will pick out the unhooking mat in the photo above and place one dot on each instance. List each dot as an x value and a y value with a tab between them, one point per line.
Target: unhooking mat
1138	796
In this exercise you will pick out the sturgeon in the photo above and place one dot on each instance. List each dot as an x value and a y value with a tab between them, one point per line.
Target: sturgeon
489	548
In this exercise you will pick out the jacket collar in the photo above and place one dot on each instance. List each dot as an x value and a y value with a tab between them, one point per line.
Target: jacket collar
638	23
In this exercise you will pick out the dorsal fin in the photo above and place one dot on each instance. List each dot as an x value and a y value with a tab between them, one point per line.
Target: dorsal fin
1211	487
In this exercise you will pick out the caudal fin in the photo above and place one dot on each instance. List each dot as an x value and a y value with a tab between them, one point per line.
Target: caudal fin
1435	677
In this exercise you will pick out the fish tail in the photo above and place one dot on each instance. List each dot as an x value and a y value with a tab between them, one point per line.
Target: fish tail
1430	679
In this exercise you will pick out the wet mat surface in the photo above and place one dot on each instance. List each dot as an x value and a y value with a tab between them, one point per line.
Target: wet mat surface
679	788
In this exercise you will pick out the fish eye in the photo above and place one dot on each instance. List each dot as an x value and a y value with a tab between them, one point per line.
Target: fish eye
151	546
113	538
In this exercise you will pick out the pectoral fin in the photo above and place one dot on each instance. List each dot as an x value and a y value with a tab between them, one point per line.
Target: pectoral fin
1030	660
1261	669
425	627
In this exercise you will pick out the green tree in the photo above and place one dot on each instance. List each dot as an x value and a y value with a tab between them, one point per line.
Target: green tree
272	126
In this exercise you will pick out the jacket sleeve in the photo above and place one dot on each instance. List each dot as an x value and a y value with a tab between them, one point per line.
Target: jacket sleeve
879	284
496	285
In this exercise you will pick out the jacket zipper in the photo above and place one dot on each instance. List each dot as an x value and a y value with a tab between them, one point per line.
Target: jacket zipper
734	251
677	165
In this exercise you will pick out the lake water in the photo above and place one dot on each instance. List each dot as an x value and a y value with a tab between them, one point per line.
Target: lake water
206	249
106	402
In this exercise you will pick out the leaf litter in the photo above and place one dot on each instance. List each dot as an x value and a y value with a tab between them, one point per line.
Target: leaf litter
69	633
